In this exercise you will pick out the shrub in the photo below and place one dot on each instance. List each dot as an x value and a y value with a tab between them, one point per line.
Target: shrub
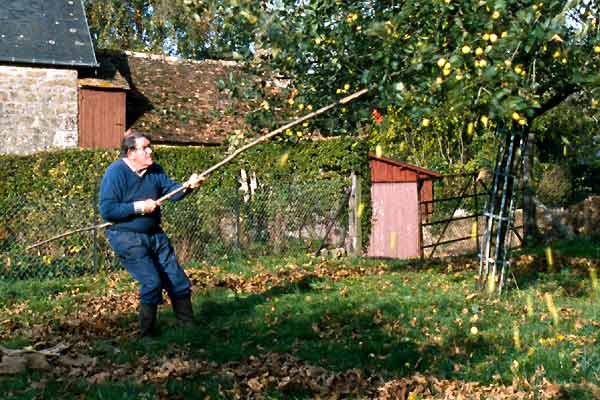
50	193
555	186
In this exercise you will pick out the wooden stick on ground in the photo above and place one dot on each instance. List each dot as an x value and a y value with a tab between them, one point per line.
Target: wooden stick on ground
218	165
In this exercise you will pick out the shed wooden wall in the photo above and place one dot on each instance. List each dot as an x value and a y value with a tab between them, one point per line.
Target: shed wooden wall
394	225
426	194
395	193
101	118
384	172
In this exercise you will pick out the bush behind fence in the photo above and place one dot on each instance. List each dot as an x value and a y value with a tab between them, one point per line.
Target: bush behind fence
207	225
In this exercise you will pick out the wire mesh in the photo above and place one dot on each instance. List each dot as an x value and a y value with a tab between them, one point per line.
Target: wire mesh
24	221
271	220
205	226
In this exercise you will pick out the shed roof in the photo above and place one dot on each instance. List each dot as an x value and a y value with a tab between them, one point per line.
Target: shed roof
50	32
391	173
175	101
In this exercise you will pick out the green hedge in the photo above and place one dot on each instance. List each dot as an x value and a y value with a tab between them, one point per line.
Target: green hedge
60	175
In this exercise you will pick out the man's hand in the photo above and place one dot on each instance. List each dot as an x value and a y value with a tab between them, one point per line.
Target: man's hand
194	181
149	206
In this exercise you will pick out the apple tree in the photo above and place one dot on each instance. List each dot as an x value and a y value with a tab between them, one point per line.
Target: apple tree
454	69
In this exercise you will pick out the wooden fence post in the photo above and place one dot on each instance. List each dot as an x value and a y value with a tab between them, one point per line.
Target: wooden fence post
354	218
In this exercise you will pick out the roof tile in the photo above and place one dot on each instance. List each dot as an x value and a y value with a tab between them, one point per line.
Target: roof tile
176	101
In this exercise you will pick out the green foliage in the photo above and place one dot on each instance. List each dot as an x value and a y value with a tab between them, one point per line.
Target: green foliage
487	59
568	135
442	74
444	70
555	187
75	173
299	185
60	174
471	148
192	29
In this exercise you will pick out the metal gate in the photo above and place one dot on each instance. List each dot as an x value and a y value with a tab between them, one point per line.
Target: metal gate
452	222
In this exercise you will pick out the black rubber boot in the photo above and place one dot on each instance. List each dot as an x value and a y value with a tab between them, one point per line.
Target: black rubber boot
147	320
183	310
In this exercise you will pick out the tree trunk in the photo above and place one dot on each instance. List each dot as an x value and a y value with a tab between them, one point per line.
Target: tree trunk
530	231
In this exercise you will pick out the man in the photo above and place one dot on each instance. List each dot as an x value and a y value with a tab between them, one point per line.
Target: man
129	191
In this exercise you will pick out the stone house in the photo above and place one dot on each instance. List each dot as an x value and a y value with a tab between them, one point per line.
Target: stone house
44	46
57	92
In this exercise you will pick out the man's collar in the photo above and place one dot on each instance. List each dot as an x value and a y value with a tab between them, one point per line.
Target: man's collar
139	172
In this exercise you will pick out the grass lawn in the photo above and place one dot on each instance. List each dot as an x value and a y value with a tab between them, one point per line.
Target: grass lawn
305	327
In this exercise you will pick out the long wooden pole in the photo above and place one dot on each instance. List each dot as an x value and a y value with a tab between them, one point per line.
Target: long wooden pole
218	165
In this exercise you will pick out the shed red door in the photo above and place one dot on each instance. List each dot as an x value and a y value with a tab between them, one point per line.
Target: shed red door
394	225
101	118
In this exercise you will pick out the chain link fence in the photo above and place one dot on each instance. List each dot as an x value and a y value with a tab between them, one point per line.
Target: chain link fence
205	226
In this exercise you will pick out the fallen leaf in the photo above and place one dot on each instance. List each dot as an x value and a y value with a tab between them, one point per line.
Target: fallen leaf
99	377
255	385
80	360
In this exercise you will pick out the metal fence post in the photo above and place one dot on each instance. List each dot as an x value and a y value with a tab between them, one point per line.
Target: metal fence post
238	223
477	212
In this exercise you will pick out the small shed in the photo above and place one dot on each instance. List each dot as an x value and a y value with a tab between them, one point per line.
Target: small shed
397	188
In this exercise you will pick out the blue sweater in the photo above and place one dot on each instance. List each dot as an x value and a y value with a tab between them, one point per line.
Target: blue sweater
121	187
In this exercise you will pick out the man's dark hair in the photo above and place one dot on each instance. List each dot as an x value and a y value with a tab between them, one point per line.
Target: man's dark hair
128	142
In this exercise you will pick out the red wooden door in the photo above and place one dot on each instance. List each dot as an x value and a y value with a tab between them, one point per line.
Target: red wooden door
394	225
101	118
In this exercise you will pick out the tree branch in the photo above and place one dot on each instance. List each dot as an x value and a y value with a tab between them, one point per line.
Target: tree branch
561	95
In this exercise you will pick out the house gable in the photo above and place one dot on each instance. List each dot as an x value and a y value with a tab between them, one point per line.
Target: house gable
44	44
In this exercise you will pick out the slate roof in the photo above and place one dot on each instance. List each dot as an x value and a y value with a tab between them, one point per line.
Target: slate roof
175	101
50	32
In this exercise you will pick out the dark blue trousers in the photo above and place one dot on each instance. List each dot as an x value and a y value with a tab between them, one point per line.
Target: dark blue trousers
150	260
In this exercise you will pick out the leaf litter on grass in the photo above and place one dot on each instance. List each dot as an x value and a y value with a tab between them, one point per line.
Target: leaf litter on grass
96	317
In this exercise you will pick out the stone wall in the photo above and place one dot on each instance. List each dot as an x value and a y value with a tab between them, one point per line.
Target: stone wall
38	109
578	220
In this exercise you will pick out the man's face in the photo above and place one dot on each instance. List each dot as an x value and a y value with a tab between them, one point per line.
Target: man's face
141	157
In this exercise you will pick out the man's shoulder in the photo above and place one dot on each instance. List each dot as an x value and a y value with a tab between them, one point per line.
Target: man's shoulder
117	163
115	167
156	168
